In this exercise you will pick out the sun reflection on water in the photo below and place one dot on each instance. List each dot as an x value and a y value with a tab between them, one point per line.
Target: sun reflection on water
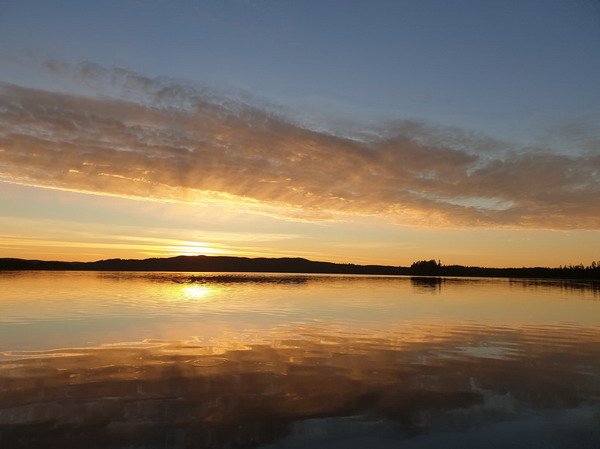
196	292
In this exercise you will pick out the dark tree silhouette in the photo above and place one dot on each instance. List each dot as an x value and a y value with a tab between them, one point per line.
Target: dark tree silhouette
426	267
298	265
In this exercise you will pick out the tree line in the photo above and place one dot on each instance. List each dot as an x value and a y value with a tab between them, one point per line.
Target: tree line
435	268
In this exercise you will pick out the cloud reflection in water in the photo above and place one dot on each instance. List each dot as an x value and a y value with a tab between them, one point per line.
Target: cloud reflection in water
181	394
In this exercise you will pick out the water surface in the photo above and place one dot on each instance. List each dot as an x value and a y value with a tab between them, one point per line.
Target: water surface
161	360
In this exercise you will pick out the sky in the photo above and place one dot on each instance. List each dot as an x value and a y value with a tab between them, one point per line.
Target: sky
349	131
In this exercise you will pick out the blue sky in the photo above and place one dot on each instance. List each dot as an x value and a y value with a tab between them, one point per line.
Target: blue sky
510	69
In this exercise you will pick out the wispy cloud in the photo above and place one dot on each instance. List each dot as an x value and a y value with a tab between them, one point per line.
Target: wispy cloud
167	140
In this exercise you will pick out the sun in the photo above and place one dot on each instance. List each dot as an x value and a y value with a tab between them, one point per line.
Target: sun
194	249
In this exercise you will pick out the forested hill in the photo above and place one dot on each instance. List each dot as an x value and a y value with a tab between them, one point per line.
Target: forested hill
299	265
206	263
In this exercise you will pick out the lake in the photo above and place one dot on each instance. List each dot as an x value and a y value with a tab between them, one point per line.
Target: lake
242	360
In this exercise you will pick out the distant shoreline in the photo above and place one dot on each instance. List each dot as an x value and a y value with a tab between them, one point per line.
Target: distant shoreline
297	265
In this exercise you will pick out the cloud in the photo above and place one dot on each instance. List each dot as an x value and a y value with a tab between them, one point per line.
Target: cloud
166	140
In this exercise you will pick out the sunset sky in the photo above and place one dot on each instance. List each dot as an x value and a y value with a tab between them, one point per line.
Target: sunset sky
349	131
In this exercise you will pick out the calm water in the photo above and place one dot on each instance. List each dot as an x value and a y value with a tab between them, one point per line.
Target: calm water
183	360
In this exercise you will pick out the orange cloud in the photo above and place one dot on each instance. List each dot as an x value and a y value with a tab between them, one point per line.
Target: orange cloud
170	141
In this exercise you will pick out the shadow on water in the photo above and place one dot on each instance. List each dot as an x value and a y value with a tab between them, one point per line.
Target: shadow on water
300	390
424	284
209	278
421	284
567	285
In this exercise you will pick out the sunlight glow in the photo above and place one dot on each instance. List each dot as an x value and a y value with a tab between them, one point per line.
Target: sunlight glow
193	249
197	291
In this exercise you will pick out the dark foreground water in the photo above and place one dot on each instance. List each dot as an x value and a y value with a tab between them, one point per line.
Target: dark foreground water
181	360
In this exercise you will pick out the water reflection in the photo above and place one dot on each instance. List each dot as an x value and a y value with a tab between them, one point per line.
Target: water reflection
196	292
424	284
180	394
217	278
251	360
566	285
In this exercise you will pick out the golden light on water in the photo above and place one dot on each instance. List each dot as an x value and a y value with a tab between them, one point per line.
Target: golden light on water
196	292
